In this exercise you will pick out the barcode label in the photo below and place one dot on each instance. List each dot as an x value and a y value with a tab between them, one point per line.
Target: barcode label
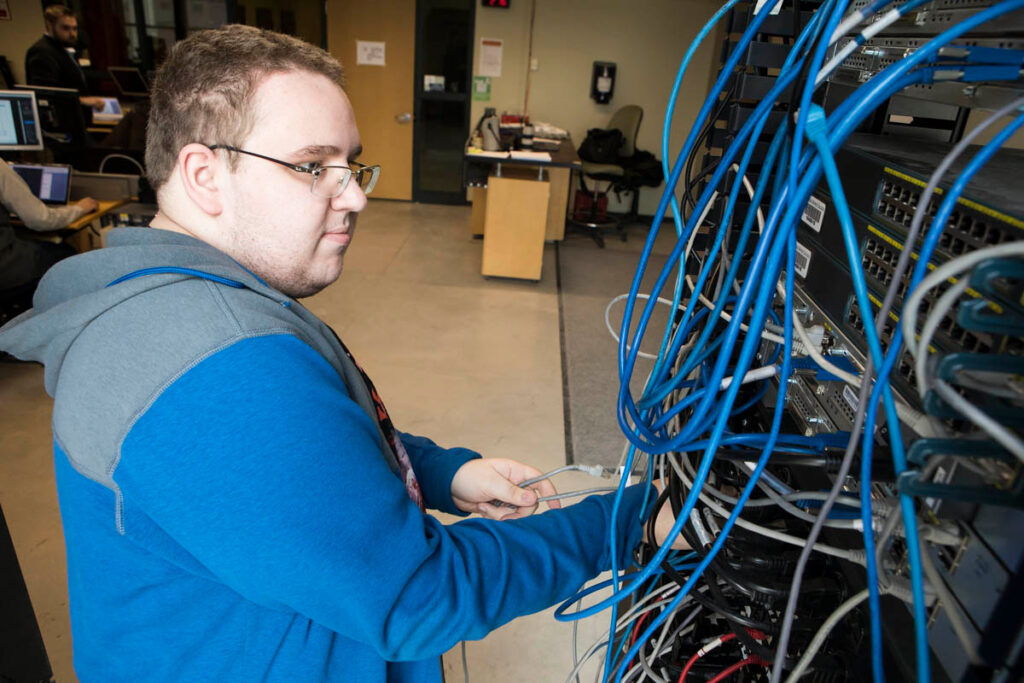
814	213
803	260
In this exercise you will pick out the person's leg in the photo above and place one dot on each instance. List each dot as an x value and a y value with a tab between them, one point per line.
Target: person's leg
28	263
47	254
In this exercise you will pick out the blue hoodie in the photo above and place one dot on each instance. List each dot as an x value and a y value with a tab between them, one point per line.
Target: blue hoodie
231	509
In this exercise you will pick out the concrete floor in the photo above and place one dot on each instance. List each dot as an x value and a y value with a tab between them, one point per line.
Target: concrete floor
462	359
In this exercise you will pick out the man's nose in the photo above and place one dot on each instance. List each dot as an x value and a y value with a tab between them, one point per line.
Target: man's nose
352	199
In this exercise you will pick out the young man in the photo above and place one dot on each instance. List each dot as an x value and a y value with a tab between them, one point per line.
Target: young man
51	60
237	504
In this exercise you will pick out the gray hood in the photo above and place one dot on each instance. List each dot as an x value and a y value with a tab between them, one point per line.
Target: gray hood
120	324
76	291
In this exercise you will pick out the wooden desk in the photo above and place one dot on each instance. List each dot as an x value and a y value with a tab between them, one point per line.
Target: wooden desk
523	203
83	234
89	231
106	206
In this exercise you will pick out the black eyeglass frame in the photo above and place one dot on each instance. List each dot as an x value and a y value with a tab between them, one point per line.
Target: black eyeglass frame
316	172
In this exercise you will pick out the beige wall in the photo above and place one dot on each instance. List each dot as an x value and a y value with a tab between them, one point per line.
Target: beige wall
17	35
1016	140
645	38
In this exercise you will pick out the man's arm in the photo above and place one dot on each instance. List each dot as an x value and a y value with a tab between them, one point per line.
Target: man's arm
258	463
435	467
18	198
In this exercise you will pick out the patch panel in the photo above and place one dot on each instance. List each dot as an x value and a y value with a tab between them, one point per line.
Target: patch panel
935	5
879	257
853	325
845	339
880	251
935	17
970	226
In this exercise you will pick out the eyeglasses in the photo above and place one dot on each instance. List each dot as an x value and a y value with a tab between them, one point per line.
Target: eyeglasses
328	181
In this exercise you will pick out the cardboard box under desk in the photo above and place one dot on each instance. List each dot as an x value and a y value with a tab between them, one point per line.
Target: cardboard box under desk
559	180
515	220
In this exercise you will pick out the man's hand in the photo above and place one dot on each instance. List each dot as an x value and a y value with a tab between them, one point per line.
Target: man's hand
88	204
94	102
480	482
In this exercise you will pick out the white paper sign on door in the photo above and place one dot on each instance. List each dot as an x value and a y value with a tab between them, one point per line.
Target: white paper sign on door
370	53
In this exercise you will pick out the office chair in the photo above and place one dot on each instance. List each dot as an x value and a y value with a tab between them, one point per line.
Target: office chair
627	121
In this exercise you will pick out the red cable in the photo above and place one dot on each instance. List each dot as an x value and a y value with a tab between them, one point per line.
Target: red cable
636	633
725	638
636	629
736	667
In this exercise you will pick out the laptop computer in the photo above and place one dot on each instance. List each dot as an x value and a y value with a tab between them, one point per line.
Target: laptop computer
129	81
111	112
51	183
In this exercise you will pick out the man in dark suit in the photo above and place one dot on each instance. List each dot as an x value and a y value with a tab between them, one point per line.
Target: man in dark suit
51	60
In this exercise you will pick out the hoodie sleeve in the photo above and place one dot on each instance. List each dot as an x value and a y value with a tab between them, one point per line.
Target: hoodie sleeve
435	468
259	465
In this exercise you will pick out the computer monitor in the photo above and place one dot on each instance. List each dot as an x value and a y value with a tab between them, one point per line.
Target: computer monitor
60	115
129	81
19	121
49	182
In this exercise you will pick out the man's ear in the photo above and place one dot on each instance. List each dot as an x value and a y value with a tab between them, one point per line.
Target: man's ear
201	175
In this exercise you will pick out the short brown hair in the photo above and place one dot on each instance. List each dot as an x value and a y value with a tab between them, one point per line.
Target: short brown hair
54	13
202	92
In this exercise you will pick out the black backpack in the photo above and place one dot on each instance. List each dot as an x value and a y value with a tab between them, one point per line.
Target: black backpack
601	146
643	168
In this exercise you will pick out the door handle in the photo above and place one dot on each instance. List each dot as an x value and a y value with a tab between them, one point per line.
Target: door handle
403	118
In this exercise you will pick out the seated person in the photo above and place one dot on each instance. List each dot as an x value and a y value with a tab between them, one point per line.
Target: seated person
51	62
23	262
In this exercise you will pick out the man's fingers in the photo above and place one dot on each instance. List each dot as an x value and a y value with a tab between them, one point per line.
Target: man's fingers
495	512
544	488
507	492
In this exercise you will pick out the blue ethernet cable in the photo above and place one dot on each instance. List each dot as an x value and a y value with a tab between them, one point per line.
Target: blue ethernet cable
673	179
733	330
816	127
754	477
657	393
756	121
788	75
724	165
674	95
746	294
670	110
886	81
663	213
805	97
898	455
666	128
787	368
